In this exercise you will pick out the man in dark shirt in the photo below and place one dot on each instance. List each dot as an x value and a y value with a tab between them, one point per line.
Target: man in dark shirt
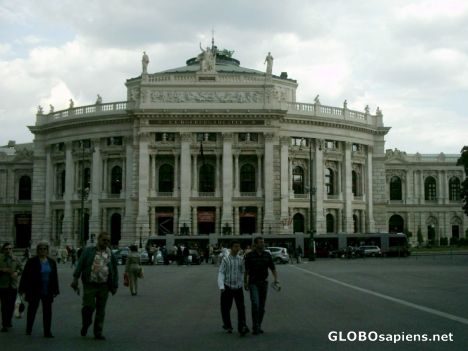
257	263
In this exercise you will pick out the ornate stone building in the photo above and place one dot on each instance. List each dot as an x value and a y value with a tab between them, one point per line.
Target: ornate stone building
213	150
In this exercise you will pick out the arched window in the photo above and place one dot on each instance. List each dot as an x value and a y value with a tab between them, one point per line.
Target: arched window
24	189
247	178
454	189
298	223
330	223
396	224
355	183
430	189
355	223
166	179
298	180
85	179
395	188
116	180
329	181
207	179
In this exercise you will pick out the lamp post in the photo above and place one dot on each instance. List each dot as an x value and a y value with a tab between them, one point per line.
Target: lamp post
311	206
83	194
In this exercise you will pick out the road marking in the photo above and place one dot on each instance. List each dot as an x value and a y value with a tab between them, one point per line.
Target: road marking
390	298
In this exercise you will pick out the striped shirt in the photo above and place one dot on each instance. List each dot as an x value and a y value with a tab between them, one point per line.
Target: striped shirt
231	272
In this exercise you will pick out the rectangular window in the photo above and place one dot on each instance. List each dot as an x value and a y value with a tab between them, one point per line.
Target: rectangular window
206	137
330	145
165	136
297	141
114	141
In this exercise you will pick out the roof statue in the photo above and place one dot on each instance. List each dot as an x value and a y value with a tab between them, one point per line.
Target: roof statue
207	59
144	63
51	108
40	110
72	104
378	112
367	109
269	62
98	100
345	104
317	99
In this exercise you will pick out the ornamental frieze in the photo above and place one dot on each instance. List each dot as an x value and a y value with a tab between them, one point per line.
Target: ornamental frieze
396	173
203	97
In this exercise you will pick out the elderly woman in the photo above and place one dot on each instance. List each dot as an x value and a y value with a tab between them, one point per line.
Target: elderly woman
39	283
133	269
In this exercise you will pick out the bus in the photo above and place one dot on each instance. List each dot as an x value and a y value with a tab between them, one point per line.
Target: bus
391	244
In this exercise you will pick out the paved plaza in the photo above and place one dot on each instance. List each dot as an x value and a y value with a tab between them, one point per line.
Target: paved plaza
178	309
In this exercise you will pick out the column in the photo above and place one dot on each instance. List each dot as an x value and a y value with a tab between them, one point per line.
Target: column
176	220
422	198
175	191
104	179
320	188
194	221
153	228
227	180
217	181
95	189
143	182
236	174
369	191
48	195
259	220
440	188
268	220
339	221
339	183
290	184
195	175
259	174
348	194
284	174
236	226
218	228
185	180
152	168
129	225
68	195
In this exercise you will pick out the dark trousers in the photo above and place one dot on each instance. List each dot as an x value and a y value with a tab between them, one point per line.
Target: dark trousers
258	295
33	304
7	300
94	298
226	303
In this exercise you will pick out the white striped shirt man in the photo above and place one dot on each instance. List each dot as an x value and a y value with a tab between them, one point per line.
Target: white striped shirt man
231	272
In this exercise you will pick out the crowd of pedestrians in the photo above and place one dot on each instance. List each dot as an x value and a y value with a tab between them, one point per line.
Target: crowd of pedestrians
96	267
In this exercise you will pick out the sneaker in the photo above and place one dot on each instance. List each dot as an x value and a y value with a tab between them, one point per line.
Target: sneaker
84	331
227	329
244	331
99	337
48	335
260	331
255	332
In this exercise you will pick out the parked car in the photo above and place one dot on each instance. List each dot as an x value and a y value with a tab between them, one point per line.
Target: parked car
279	254
144	257
194	257
369	250
121	254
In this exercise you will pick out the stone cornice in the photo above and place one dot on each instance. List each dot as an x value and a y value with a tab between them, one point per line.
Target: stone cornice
337	124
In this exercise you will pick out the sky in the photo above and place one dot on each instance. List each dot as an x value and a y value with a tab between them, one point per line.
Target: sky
410	58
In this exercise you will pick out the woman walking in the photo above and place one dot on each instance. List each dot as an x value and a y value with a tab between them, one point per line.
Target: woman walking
133	269
39	283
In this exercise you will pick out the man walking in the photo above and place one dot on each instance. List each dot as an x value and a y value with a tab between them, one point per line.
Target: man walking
10	269
257	263
230	275
97	267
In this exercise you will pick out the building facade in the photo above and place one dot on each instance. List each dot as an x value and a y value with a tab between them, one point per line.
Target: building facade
213	150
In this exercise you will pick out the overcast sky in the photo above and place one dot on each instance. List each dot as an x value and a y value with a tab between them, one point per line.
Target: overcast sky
410	58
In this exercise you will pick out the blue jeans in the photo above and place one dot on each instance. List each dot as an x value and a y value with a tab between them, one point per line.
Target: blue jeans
258	295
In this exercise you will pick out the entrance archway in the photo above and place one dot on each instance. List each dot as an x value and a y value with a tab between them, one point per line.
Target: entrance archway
23	230
298	223
116	229
247	220
396	224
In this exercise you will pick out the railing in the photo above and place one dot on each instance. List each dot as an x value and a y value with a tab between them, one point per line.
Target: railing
330	111
248	194
301	196
206	194
87	110
164	193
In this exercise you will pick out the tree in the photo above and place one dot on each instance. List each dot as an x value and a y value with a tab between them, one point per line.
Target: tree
463	161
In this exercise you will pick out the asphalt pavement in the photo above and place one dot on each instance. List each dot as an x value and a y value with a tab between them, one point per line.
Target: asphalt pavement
177	308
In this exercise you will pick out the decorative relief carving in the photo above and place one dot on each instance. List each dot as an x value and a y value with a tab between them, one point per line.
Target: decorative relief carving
395	154
430	174
205	96
332	165
401	173
186	137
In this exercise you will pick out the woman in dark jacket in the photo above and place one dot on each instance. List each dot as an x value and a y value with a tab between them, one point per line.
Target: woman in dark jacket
39	283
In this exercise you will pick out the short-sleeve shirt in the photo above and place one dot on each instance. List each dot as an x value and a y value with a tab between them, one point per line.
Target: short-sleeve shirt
256	266
100	269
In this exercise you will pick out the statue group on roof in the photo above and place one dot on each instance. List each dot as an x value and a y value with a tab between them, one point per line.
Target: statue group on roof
207	59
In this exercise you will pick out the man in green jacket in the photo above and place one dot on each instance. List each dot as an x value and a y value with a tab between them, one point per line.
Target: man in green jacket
97	267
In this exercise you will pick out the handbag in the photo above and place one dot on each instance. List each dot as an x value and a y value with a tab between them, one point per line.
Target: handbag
19	306
126	280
